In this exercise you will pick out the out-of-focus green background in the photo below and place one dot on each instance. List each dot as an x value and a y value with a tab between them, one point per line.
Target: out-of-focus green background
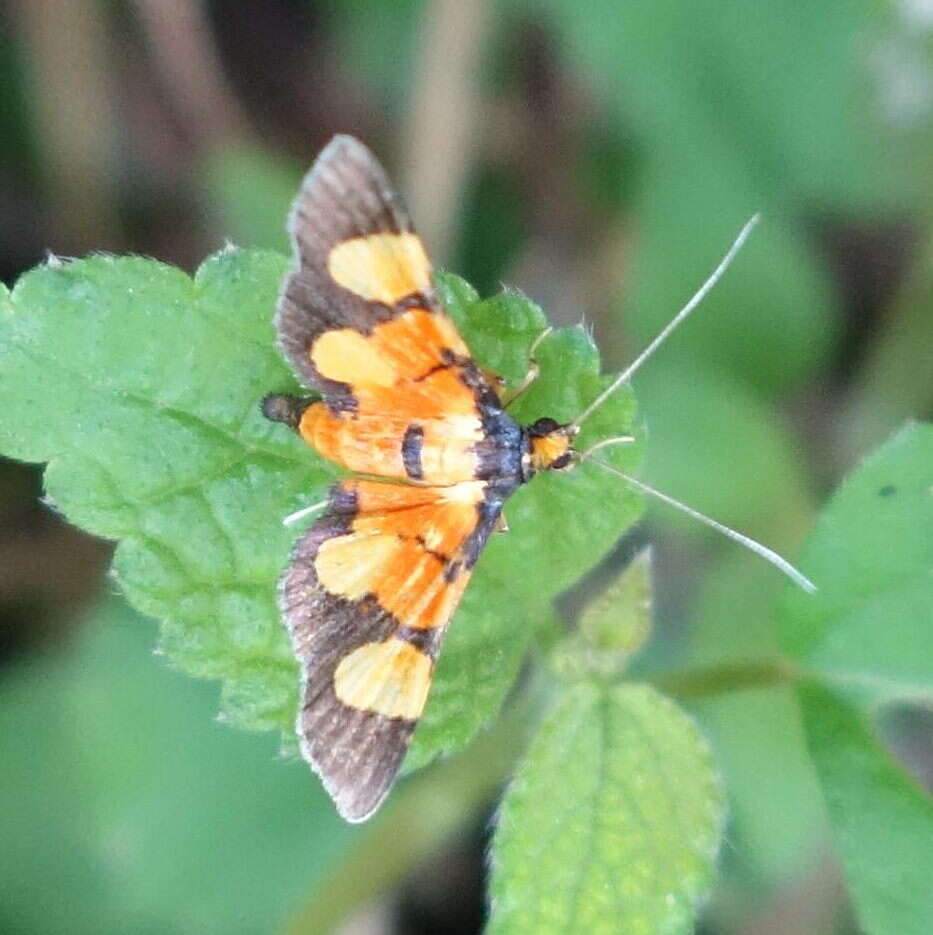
599	156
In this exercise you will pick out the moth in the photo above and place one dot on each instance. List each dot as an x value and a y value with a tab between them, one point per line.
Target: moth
397	399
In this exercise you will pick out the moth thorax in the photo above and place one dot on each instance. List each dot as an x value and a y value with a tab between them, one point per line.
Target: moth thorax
550	447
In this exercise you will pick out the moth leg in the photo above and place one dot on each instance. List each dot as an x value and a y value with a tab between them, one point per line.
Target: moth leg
502	524
534	369
495	380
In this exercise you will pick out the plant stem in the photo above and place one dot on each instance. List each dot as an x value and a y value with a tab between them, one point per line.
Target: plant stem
703	682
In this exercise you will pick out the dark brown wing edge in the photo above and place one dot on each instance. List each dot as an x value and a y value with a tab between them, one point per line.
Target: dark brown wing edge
346	194
356	753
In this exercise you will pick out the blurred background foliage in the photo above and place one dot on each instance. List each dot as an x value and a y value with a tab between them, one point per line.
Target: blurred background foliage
599	156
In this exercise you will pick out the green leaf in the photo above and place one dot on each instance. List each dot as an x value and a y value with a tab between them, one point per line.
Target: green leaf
612	823
867	628
882	820
619	620
126	807
764	83
140	386
611	628
864	640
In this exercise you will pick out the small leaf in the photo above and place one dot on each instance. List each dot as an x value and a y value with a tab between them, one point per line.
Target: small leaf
612	823
620	618
612	628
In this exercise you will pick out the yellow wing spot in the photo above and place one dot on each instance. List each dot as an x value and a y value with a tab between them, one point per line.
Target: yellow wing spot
390	678
381	267
469	492
347	356
353	566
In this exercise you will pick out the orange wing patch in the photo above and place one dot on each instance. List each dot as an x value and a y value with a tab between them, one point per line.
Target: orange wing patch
402	376
404	349
367	597
404	555
432	450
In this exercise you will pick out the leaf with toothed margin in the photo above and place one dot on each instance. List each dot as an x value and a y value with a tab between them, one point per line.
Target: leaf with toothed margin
140	385
613	821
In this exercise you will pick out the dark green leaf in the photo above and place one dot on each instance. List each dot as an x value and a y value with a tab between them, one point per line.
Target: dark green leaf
718	447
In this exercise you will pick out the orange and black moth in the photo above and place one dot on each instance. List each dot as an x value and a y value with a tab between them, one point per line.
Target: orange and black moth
373	583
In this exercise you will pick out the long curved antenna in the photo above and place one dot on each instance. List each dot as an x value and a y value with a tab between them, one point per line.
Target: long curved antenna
698	297
767	554
605	443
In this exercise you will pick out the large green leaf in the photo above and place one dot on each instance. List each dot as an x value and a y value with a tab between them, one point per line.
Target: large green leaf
764	82
768	321
140	386
612	823
865	640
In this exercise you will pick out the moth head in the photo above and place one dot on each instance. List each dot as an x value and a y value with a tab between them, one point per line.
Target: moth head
550	445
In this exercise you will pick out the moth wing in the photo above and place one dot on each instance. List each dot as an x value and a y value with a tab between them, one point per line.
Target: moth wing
359	308
367	597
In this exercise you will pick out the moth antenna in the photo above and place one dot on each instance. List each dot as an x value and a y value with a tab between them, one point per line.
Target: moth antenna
767	554
698	297
605	443
299	515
